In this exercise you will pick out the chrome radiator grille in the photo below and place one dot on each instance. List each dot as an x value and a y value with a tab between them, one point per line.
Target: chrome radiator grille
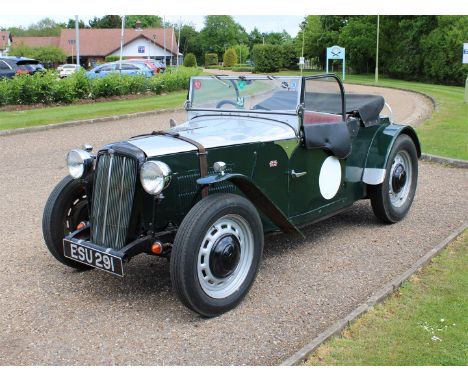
114	188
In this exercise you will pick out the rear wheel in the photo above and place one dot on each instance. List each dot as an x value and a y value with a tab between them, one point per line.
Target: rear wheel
216	254
66	207
392	199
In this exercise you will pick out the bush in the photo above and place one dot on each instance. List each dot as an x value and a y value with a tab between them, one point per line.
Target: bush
290	57
190	60
230	57
267	58
211	59
48	88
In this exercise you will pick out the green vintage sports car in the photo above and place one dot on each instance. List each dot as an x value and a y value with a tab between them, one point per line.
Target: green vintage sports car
257	154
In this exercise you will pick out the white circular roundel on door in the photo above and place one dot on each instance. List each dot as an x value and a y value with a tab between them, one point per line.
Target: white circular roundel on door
330	177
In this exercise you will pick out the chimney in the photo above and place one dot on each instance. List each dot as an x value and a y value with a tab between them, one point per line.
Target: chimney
138	26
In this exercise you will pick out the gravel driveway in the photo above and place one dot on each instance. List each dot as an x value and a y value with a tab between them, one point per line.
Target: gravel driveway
53	315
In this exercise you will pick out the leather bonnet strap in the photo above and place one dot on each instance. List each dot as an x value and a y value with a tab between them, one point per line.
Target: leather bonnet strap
202	154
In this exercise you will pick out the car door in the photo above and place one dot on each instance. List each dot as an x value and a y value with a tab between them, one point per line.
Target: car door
105	70
6	71
317	166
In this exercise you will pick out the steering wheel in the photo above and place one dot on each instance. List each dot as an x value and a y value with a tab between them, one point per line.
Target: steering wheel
259	107
225	102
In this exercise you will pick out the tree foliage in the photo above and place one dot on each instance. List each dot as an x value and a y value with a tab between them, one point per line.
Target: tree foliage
242	52
221	32
48	55
44	27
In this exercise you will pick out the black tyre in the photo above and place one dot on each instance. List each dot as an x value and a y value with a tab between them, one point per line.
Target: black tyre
66	207
392	199
216	254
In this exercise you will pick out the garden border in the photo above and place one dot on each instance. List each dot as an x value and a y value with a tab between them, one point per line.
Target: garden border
32	129
382	294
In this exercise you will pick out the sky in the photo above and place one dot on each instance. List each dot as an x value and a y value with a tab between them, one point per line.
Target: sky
263	23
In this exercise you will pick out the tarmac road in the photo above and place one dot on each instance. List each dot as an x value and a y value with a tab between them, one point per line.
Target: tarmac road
56	316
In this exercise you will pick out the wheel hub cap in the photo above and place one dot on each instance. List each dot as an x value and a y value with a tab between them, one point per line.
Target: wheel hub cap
398	178
225	256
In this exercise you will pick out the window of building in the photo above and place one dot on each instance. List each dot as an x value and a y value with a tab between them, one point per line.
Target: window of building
141	49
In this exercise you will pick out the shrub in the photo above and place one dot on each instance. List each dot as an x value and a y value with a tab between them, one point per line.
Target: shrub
26	89
230	57
267	58
190	60
211	59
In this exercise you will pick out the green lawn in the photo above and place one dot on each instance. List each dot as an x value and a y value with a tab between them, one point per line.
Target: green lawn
424	323
48	115
446	132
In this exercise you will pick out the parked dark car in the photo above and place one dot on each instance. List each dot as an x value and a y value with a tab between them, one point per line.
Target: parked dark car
257	154
11	66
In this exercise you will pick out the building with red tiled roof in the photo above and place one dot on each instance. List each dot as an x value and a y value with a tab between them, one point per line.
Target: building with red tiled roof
97	44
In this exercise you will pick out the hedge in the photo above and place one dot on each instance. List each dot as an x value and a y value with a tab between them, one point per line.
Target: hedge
114	58
48	88
237	68
267	58
211	59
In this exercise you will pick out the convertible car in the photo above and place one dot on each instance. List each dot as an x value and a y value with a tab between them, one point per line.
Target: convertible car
257	154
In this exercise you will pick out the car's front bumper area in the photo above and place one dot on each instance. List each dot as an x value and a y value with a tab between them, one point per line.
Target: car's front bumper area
78	248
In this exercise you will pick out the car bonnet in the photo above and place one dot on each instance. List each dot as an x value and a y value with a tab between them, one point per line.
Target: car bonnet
214	132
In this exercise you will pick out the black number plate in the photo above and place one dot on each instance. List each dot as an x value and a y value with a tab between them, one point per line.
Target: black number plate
90	256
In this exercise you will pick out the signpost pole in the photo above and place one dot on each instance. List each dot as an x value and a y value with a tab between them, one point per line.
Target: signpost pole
465	61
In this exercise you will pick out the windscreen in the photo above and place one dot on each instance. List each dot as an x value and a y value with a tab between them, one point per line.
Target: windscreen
266	94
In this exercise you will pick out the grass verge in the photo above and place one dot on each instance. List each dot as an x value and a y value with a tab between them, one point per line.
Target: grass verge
446	132
424	323
49	115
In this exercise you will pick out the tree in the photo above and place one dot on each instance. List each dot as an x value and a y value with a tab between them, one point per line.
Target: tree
21	50
358	36
190	60
221	32
107	21
50	55
277	38
71	24
44	27
147	21
441	48
230	57
189	41
311	28
255	37
242	52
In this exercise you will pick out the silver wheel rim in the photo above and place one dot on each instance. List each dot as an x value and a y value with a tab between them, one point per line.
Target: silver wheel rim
224	287
398	198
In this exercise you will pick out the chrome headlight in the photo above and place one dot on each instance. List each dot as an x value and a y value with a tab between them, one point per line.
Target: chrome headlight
155	176
79	162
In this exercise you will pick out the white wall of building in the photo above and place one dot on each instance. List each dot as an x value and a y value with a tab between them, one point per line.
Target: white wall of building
148	47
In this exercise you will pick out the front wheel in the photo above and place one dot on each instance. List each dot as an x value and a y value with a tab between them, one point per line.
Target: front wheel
392	199
66	207
216	254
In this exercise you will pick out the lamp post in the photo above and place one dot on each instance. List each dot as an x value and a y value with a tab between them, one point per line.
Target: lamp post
155	47
121	44
77	33
377	51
